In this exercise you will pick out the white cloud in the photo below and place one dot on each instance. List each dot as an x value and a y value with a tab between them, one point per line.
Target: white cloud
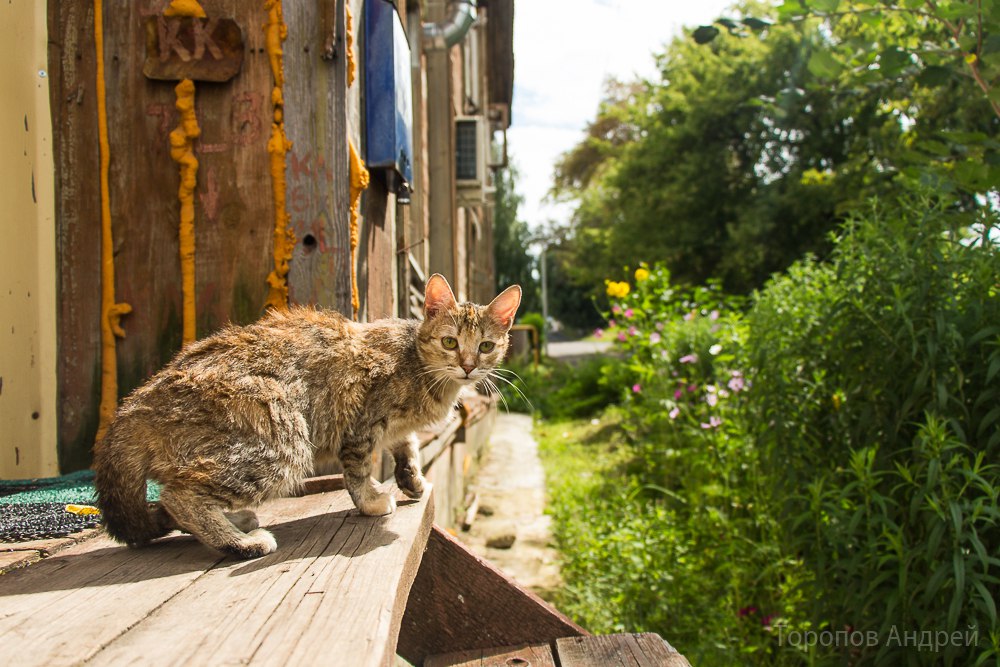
564	51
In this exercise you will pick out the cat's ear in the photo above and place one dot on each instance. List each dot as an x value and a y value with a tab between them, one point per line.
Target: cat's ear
437	296
503	308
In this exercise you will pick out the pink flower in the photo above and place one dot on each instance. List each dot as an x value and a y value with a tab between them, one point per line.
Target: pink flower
689	359
714	315
636	388
712	400
689	316
611	323
622	337
659	326
629	313
678	394
632	331
598	333
713	422
692	388
673	413
737	383
746	611
654	338
616	309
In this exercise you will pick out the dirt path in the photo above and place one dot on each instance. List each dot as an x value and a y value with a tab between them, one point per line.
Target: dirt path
511	487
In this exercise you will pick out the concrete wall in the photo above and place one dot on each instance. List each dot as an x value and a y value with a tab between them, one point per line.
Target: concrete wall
27	251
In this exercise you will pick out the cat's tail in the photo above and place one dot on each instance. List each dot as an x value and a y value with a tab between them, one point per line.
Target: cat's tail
120	479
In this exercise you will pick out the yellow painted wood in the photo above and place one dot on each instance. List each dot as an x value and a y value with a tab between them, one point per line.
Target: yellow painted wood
28	250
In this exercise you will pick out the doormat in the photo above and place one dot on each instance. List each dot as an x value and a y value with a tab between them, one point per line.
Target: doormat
35	509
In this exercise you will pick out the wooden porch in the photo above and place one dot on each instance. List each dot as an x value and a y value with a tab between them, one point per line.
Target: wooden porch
342	589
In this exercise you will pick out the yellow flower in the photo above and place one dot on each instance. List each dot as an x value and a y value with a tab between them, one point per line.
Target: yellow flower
617	290
641	274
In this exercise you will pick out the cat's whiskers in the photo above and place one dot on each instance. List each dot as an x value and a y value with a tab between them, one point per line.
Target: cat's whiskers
516	388
507	370
492	388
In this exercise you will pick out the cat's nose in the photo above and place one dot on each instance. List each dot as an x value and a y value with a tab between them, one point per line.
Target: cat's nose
468	368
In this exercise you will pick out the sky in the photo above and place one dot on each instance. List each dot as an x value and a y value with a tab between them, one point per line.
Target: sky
564	51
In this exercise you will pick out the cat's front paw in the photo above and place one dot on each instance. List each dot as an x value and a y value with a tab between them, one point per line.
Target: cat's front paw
412	486
378	505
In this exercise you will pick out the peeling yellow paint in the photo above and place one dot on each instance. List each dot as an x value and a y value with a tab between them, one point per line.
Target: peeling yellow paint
352	66
182	151
185	8
275	32
111	312
359	181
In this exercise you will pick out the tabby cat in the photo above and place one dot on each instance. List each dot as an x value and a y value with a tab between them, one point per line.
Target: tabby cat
245	414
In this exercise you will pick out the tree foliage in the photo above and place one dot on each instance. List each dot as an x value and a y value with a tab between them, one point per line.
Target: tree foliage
511	242
764	131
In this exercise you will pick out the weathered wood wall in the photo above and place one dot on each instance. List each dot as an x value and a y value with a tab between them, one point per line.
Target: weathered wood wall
234	209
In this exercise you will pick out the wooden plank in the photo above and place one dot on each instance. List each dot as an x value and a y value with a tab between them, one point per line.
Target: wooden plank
233	209
628	650
11	560
539	655
316	112
337	585
460	602
74	128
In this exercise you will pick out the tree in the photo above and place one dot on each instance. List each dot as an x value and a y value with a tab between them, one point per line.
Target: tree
754	143
511	241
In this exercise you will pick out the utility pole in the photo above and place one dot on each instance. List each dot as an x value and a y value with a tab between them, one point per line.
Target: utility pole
545	303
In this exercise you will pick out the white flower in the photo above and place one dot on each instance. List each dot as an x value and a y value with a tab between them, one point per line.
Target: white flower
715	349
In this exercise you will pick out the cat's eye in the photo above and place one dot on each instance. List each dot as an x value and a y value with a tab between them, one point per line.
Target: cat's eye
449	343
487	346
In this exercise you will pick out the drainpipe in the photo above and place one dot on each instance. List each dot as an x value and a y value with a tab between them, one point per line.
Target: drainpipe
452	30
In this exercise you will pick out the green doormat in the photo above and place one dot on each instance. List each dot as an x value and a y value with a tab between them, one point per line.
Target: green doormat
35	509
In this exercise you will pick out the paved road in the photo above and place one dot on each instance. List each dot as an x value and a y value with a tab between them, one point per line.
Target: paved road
572	349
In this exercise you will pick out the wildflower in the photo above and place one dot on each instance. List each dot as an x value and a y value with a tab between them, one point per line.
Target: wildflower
641	274
715	349
616	309
712	400
659	326
746	611
674	413
714	315
629	313
612	324
636	388
617	290
689	316
654	338
692	388
622	337
598	333
766	621
713	422
737	383
632	331
837	399
689	359
678	394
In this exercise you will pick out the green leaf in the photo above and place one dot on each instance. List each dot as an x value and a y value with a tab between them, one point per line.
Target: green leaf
892	61
756	24
825	5
705	34
824	65
988	602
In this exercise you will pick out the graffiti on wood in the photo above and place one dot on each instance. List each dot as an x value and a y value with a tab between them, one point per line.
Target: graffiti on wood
200	49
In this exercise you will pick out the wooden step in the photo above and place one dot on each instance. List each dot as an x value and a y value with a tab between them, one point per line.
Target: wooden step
625	650
333	593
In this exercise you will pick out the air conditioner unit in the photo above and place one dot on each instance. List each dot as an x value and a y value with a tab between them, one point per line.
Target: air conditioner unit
473	175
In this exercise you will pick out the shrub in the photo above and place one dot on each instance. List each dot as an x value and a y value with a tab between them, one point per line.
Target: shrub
824	462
